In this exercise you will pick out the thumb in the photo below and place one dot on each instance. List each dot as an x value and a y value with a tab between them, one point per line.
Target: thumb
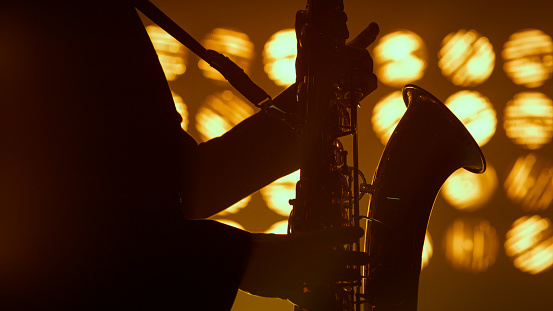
366	37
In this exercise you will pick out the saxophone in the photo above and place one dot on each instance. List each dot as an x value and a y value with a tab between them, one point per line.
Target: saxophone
427	146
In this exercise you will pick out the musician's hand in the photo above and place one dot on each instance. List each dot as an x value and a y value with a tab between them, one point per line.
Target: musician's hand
280	265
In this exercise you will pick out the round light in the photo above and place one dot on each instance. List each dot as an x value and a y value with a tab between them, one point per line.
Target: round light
476	112
471	245
181	108
466	58
529	243
231	223
233	44
278	193
236	207
171	54
280	227
400	58
528	57
386	115
219	113
529	119
530	183
468	191
279	57
427	250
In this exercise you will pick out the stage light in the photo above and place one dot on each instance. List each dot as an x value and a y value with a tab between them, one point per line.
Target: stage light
233	44
466	58
278	193
528	119
400	58
476	112
219	113
386	115
236	207
468	191
181	108
529	243
471	245
280	227
427	250
279	57
528	57
530	183
172	55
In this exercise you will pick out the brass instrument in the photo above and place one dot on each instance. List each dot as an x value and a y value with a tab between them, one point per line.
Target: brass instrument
428	145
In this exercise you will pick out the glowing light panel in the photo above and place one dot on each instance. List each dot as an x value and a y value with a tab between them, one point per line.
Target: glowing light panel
471	245
278	193
219	113
279	57
466	58
400	58
181	109
530	183
476	112
529	243
233	44
528	57
468	191
529	119
171	54
386	115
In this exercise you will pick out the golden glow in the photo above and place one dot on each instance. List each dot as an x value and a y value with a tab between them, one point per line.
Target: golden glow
468	191
400	58
386	115
280	227
471	245
528	57
171	54
476	113
529	119
279	57
529	243
466	58
236	207
219	113
278	193
231	43
427	250
530	183
231	223
181	108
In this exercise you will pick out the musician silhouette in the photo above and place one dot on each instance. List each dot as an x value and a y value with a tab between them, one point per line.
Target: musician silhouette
103	194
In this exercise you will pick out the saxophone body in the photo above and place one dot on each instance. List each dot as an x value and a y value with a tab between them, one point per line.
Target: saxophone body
428	145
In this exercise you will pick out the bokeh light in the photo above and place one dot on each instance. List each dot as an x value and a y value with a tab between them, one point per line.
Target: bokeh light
181	108
529	243
279	57
233	44
280	227
468	191
400	58
466	58
172	55
219	113
427	250
530	183
528	119
476	112
278	193
231	223
528	57
236	207
471	245
386	115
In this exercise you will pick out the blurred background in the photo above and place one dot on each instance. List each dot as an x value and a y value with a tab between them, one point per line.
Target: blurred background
489	242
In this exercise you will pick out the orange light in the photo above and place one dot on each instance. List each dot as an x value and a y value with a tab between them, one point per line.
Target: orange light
528	57
279	57
171	54
529	243
466	58
427	250
386	115
181	108
280	227
278	193
400	58
529	119
467	191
